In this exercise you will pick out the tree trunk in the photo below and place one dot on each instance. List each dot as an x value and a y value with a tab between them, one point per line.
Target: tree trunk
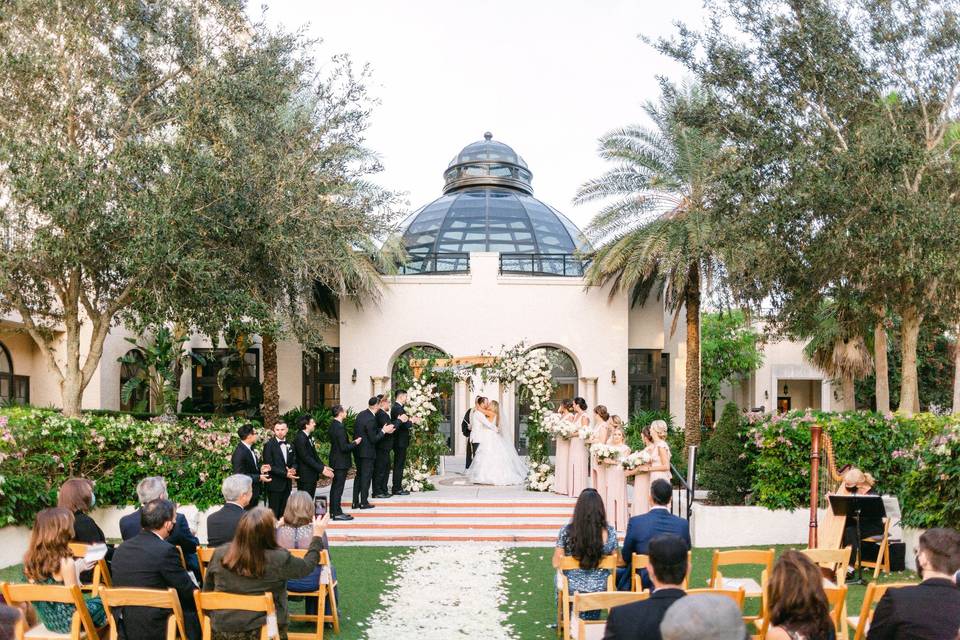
909	331
849	391
271	389
880	367
956	370
71	394
692	396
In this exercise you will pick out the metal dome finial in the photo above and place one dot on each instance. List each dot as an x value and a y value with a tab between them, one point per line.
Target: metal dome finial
487	135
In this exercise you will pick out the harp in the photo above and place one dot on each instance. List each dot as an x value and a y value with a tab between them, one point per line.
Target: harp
825	479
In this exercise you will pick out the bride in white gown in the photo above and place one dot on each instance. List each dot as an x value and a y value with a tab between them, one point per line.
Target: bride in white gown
496	461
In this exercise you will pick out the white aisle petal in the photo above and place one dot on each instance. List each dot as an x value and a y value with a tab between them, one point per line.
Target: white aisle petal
444	592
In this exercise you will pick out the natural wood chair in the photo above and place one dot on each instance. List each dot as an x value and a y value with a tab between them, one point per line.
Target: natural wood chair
183	558
101	571
113	597
837	562
737	595
324	593
641	561
875	591
204	555
81	627
837	599
751	588
882	563
603	600
208	601
564	602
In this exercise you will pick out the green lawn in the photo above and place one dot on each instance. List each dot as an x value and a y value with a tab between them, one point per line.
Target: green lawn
364	571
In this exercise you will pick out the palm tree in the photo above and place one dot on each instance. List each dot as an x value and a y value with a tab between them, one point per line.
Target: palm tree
837	347
655	232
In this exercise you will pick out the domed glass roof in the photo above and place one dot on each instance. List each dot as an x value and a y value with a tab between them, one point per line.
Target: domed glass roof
488	205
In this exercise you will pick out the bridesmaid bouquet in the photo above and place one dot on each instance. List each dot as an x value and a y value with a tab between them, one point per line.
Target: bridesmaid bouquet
605	452
553	424
636	459
584	433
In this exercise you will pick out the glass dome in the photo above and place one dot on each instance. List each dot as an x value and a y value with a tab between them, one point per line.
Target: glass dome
488	205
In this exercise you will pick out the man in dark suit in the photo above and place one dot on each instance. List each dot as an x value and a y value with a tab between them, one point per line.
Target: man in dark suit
370	433
340	448
381	464
641	620
237	491
245	461
155	488
278	454
465	430
309	466
929	610
401	440
149	561
643	528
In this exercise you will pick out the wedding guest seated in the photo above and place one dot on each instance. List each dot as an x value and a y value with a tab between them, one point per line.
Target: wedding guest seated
798	605
237	492
641	620
48	561
930	609
9	617
643	528
704	617
296	532
76	495
155	488
253	564
588	537
149	561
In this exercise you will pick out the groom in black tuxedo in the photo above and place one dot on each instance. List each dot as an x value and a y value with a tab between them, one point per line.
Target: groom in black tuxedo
401	440
370	433
278	453
465	430
381	465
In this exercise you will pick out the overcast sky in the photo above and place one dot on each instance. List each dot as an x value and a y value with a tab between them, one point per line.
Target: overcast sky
546	77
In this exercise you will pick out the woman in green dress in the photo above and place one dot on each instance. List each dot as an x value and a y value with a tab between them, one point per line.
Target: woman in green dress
48	561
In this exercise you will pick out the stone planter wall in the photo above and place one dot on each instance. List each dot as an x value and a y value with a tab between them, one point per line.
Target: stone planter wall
911	538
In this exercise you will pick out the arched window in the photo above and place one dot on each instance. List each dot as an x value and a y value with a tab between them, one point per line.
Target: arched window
13	388
565	377
139	399
447	408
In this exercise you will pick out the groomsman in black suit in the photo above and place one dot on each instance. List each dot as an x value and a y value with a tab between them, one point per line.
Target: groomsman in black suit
246	462
279	455
381	464
340	460
401	440
309	466
370	434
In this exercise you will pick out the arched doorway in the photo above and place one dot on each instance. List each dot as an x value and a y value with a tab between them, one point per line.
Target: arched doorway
565	377
400	377
6	374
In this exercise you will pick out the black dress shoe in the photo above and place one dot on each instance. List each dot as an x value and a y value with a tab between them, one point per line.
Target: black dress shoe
382	496
342	516
354	506
401	493
366	506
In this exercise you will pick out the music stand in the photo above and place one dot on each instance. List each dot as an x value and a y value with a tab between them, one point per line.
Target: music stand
857	507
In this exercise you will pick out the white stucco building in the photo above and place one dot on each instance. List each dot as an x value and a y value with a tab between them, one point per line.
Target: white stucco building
491	265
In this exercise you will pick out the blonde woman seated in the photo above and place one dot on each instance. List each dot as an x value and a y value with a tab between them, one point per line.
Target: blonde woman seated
295	531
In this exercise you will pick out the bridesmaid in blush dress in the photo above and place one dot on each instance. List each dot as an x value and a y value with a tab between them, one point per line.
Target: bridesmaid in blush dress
660	468
601	433
561	471
641	478
615	480
579	456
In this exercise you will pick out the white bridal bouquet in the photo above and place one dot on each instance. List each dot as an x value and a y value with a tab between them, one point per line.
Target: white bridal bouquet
540	478
636	459
605	452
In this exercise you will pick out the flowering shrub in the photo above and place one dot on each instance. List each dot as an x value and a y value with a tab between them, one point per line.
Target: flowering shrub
932	488
40	448
540	477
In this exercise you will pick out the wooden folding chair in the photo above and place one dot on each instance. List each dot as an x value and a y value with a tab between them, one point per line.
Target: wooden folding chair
183	558
603	600
101	572
81	627
113	597
208	601
883	552
751	588
641	561
564	603
204	555
323	594
836	561
837	599
874	592
737	595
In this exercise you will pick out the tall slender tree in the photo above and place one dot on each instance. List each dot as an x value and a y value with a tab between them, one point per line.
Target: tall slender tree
654	232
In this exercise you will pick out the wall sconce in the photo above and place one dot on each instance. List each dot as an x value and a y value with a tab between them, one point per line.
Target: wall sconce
613	376
836	396
766	395
353	378
786	389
